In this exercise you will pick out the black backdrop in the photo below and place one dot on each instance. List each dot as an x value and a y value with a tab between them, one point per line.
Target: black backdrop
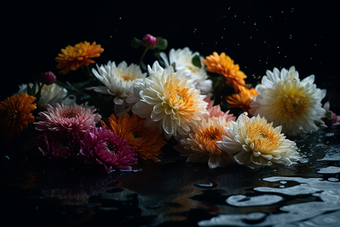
258	35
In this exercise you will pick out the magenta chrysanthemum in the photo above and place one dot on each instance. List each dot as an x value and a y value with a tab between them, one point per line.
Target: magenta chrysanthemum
58	145
101	146
76	118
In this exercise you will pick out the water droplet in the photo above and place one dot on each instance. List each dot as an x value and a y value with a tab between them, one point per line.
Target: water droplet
222	37
229	7
209	185
120	18
283	182
250	37
234	15
291	10
254	23
290	36
195	30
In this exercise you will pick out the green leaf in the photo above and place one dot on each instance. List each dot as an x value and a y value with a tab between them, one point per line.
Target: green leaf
31	90
328	115
162	44
135	43
196	61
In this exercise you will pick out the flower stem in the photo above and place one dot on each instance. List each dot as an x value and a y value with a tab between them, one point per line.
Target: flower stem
141	59
38	95
88	72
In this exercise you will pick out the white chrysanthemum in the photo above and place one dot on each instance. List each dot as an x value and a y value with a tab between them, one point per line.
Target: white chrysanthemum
169	100
285	100
119	81
200	144
183	63
256	143
50	94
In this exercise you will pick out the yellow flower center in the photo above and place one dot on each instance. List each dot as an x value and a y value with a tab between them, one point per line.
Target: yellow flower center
294	105
207	138
127	77
179	99
263	137
291	101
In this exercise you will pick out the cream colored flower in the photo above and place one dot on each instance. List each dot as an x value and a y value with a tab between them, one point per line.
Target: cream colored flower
50	94
119	81
256	143
200	144
285	100
169	100
182	58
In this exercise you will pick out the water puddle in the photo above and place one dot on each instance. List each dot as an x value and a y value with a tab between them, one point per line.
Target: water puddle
324	211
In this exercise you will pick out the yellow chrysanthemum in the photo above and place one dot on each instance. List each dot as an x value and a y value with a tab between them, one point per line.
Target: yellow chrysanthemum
72	58
224	65
147	142
256	143
16	114
286	101
200	144
169	100
243	99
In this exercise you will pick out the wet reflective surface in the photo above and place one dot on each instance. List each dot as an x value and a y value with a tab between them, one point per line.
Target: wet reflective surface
174	192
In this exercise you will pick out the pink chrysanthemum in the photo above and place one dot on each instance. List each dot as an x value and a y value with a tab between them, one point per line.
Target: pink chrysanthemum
215	111
76	118
58	145
101	146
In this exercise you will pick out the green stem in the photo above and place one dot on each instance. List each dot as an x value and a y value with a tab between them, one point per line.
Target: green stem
141	59
38	95
89	71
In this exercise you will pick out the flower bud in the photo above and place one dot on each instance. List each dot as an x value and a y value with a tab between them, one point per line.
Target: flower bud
47	78
149	40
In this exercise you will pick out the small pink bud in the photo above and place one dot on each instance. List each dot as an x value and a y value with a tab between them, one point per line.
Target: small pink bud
149	40
47	78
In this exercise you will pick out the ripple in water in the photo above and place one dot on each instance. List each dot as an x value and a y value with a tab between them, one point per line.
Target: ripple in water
329	170
261	200
315	213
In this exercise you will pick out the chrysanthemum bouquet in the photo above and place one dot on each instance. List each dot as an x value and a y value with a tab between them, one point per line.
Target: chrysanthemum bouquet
123	114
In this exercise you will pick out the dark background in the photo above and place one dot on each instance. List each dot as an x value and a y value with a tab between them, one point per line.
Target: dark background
257	35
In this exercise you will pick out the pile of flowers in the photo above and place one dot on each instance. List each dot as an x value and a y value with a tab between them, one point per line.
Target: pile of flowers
173	99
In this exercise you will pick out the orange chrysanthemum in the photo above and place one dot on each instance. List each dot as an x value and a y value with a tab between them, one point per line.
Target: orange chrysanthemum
72	58
15	114
243	99
147	142
224	65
